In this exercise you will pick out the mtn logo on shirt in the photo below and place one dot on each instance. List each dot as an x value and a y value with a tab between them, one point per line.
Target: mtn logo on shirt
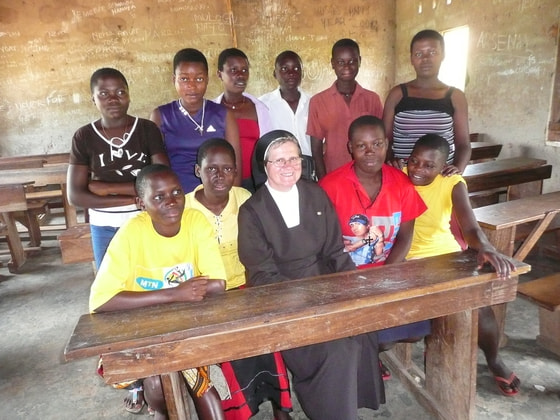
149	284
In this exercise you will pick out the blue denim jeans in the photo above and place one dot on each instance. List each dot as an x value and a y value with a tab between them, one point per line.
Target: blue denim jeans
100	238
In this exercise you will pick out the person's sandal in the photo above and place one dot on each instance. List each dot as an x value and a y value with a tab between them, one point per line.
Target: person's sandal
385	373
135	403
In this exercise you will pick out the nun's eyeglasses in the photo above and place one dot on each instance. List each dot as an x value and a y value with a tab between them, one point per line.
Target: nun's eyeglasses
280	163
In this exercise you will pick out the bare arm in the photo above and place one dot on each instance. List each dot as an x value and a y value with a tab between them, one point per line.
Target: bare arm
155	116
395	95
232	137
474	235
461	134
189	291
79	194
402	243
161	158
103	188
317	152
192	290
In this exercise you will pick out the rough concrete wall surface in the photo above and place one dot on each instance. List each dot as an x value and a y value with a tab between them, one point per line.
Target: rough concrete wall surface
511	63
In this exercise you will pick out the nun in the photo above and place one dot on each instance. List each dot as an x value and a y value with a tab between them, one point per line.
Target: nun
289	230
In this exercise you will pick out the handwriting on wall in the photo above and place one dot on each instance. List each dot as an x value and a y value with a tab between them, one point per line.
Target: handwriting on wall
50	49
310	28
49	52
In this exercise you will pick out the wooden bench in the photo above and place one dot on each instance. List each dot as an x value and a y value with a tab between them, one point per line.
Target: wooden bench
545	292
54	174
484	151
244	323
28	161
75	244
500	222
513	177
12	201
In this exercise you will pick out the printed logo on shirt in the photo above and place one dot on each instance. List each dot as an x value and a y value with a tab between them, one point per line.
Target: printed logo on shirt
149	284
372	238
210	129
178	274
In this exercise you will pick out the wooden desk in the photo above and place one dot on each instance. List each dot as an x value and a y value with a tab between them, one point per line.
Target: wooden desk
253	321
500	221
12	200
48	175
485	150
506	173
45	159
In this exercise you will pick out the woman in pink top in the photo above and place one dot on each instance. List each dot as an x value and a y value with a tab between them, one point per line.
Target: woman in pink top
251	114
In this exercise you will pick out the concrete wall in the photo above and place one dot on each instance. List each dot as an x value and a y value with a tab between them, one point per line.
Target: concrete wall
511	63
49	49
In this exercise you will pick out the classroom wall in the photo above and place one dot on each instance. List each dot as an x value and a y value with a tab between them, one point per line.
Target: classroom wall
512	55
49	48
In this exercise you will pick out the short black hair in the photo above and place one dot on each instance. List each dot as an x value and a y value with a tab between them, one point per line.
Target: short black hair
287	53
345	42
365	120
428	34
230	52
434	142
103	73
146	173
209	144
189	55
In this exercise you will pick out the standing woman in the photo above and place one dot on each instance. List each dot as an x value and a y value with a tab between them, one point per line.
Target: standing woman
289	230
106	156
190	120
252	115
427	105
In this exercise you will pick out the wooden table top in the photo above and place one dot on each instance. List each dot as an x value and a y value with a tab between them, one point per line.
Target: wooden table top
501	166
48	175
275	317
485	150
505	172
512	213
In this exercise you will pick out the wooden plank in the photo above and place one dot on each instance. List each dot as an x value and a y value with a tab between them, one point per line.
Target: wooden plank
498	177
309	302
12	199
544	292
47	159
75	244
17	252
175	394
485	150
549	330
534	236
512	213
21	164
48	175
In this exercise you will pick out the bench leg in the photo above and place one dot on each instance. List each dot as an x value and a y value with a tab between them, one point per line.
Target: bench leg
549	329
451	352
447	389
17	252
504	241
175	392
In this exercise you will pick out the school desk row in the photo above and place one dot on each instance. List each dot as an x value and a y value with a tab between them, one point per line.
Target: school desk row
242	323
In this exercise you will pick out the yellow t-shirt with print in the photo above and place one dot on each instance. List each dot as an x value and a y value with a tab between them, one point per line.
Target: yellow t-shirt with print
139	259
